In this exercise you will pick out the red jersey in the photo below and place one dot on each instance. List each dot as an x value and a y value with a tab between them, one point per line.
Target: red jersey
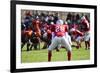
85	25
46	27
28	13
76	32
59	30
49	34
28	32
36	26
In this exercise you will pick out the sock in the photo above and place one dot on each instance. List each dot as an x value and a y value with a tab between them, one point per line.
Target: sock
69	55
49	56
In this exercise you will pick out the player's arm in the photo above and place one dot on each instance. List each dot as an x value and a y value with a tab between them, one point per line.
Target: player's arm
87	25
79	32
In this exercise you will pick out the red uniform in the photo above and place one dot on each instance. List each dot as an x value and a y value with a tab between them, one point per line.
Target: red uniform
28	13
86	28
77	32
59	30
36	26
85	25
28	32
59	39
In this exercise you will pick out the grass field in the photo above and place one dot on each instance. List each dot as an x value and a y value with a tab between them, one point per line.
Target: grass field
42	55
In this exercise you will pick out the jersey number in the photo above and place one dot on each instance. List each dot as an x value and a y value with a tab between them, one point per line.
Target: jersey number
59	29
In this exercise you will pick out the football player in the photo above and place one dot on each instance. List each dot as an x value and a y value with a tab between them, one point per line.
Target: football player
77	36
59	31
86	29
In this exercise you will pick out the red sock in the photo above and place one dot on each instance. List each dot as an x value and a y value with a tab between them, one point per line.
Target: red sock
49	56
69	55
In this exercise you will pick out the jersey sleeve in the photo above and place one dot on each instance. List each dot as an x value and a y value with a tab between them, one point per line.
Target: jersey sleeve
78	32
52	28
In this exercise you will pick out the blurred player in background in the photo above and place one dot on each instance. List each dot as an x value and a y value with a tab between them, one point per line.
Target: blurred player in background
86	29
77	36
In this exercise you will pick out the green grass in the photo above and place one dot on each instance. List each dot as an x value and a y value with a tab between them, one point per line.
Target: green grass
42	55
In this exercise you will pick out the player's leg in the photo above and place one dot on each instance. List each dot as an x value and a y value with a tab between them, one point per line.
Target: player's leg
68	37
86	45
27	43
66	44
69	54
78	41
22	45
31	46
31	43
49	55
51	47
46	40
87	41
28	46
45	45
23	42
